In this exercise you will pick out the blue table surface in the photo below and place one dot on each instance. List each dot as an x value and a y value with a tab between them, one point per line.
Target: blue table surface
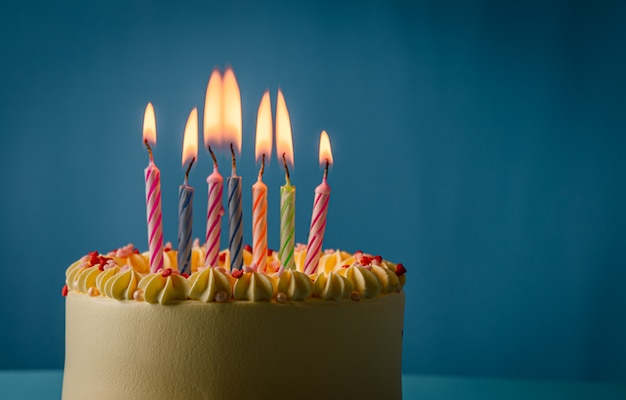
46	384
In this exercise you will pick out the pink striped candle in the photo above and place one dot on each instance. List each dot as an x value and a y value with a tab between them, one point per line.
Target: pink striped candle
320	210
215	210
259	223
153	195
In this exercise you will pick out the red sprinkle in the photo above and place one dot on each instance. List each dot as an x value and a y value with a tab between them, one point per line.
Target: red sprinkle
93	258
247	247
400	270
64	291
222	257
136	250
186	275
345	266
365	260
167	272
270	252
378	258
237	273
101	267
167	249
103	260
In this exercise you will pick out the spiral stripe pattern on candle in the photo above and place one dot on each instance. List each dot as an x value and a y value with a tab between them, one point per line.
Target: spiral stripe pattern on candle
316	233
259	223
287	226
235	228
185	218
213	224
154	217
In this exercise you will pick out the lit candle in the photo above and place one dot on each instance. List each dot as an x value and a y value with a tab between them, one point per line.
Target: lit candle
284	150
153	194
263	146
320	209
213	135
232	134
185	194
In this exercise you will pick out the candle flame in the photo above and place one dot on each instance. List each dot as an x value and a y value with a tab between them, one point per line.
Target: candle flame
284	139
264	128
213	124
149	125
231	109
190	139
326	154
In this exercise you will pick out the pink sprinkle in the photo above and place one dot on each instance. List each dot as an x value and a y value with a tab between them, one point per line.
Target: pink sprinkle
125	268
236	273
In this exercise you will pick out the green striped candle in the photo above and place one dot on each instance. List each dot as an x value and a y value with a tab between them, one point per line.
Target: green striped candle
287	224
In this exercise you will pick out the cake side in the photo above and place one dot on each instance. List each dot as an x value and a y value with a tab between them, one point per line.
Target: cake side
192	350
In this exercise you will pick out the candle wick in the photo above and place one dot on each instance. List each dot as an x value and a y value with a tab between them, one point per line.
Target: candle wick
326	169
149	150
262	167
287	177
213	157
234	161
189	169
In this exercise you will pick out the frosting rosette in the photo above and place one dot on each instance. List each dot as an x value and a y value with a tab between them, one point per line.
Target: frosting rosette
253	286
331	286
104	277
206	284
332	260
363	280
73	270
164	287
388	279
295	285
86	278
121	285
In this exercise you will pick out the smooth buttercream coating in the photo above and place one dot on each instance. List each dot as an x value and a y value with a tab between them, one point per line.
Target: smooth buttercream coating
311	349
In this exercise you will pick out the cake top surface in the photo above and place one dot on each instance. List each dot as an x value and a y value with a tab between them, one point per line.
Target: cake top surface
124	274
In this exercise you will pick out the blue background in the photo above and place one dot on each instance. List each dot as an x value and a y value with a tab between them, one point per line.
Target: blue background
480	144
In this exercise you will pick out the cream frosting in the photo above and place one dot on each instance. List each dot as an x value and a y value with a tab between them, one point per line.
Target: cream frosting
253	286
339	274
363	280
331	286
295	285
206	284
159	287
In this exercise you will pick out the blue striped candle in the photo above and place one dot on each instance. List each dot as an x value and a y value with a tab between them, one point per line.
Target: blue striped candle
235	223
185	218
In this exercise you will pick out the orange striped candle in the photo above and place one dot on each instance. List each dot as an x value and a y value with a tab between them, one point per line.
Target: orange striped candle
263	147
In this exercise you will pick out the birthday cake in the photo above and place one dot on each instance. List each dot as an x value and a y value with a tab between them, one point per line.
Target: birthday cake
240	334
